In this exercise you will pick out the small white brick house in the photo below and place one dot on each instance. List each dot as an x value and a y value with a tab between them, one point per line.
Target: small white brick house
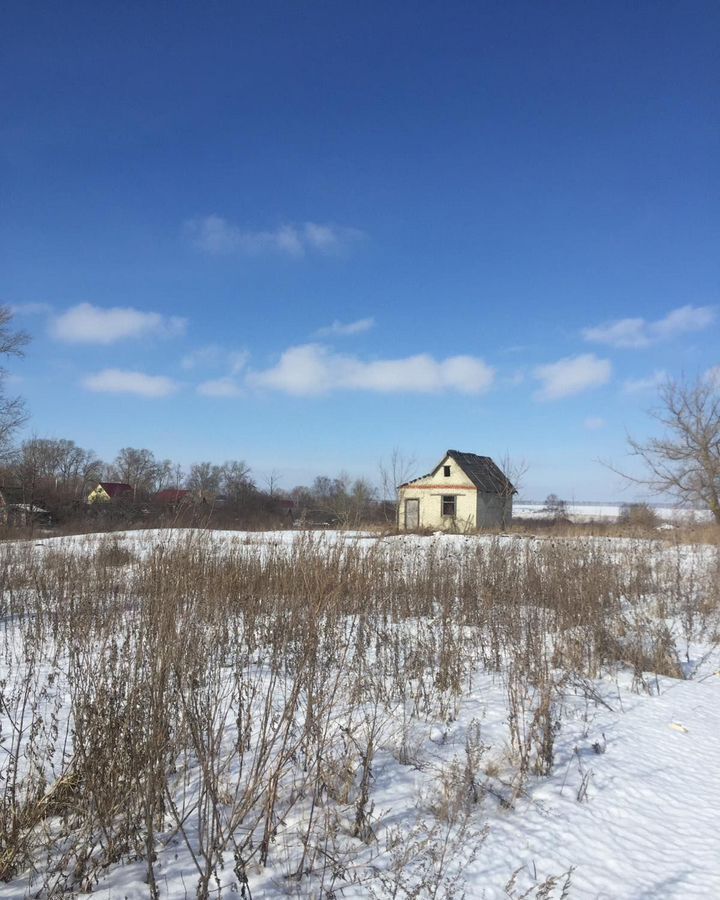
463	492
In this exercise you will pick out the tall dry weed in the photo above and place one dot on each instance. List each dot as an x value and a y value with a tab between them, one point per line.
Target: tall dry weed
202	694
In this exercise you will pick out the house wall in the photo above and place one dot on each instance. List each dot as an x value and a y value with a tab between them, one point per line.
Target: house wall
430	491
493	510
99	493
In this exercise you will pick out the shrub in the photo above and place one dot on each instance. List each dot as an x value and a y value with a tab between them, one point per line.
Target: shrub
639	515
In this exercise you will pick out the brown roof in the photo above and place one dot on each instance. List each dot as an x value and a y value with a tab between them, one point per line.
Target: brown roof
114	488
170	495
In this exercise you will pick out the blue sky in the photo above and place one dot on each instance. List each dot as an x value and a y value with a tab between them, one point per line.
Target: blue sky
304	234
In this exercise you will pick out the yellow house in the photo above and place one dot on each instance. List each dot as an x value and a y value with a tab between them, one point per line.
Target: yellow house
463	492
107	491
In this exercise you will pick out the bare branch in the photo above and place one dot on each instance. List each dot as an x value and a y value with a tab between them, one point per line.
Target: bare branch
685	459
12	409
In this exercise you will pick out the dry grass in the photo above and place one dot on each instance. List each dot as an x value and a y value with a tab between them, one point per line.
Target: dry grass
211	695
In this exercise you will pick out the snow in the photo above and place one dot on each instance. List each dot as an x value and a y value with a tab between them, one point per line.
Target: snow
630	809
649	824
606	512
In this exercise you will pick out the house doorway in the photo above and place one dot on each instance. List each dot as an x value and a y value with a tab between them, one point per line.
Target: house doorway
412	514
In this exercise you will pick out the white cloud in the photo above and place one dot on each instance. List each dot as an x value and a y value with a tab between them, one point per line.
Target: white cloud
88	324
682	320
343	329
713	376
220	387
120	381
218	236
640	385
214	356
314	369
621	333
593	423
571	375
637	333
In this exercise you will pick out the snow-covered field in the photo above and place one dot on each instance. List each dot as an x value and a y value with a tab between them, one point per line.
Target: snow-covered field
606	512
485	723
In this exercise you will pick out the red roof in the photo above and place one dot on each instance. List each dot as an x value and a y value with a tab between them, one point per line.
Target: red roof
114	488
170	495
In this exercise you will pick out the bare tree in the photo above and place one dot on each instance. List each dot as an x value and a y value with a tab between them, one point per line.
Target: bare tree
12	409
555	505
341	500
61	465
138	468
362	504
235	479
177	476
514	471
271	482
685	460
205	479
55	472
330	497
164	474
394	472
76	468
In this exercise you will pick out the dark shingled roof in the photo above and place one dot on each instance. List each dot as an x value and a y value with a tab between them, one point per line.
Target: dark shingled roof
481	470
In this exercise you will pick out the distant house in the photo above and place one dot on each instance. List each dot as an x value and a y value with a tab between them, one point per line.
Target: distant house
109	490
23	515
463	492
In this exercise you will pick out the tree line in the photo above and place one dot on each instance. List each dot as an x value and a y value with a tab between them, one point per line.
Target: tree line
682	460
56	476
